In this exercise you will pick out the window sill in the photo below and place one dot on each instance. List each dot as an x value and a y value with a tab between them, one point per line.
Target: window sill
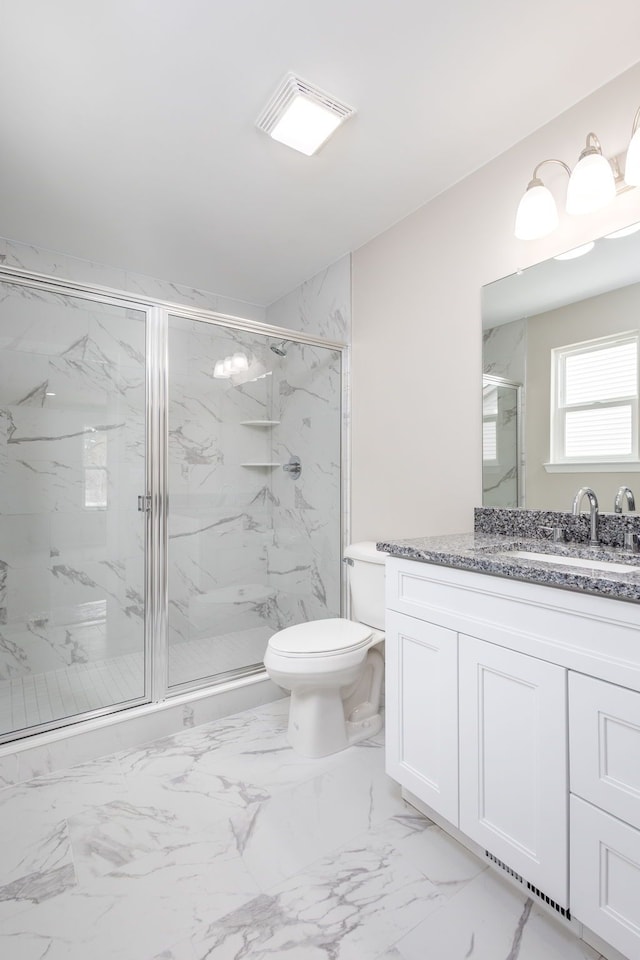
595	466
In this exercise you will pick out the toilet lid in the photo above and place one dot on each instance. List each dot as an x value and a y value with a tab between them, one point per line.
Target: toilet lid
321	637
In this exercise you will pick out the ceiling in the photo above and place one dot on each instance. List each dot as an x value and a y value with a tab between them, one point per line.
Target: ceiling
128	132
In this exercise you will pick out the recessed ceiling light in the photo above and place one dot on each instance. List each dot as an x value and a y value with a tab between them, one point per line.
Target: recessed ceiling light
576	252
302	116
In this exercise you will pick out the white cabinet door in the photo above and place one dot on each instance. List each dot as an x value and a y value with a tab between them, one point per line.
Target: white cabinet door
604	724
422	711
513	761
605	876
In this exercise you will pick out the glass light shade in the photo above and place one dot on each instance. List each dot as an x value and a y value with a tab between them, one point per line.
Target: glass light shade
576	252
305	125
219	371
537	214
239	363
632	165
591	185
625	232
227	366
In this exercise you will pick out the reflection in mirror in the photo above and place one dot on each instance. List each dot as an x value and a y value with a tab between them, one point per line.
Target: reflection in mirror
568	332
501	467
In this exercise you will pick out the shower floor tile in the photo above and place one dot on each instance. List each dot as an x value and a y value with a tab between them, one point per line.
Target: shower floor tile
194	847
39	698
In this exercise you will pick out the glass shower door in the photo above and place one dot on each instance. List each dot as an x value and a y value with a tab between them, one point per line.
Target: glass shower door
253	543
72	543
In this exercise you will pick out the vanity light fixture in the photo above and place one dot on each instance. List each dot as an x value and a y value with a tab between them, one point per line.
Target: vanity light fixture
301	115
537	213
593	183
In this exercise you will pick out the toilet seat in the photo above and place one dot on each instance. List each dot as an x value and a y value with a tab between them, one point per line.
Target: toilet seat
321	638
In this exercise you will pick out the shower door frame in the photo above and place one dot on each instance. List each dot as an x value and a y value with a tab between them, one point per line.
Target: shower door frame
156	548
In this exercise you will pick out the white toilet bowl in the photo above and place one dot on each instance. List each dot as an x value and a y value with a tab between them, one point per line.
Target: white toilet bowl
335	677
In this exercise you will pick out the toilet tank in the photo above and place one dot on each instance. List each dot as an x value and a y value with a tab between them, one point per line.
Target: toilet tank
366	583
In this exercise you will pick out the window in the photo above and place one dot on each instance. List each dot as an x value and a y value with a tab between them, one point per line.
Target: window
594	401
489	423
95	470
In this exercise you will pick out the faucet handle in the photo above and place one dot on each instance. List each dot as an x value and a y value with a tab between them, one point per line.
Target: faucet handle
557	533
631	541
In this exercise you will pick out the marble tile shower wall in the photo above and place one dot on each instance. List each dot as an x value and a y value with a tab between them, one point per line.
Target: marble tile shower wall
64	559
65	267
320	306
72	400
304	559
220	519
304	562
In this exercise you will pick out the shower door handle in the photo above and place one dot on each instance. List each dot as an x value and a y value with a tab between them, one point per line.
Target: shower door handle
144	503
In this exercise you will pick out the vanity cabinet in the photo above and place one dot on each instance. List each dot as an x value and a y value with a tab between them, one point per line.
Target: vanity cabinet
513	712
513	761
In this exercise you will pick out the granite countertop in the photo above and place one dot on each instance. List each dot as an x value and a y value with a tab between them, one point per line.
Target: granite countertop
494	554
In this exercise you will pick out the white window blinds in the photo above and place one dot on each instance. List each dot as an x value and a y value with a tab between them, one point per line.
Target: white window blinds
595	409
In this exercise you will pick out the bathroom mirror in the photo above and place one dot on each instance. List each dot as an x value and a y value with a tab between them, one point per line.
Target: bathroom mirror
560	364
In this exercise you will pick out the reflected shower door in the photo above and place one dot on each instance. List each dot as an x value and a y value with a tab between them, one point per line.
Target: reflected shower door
501	445
252	547
72	462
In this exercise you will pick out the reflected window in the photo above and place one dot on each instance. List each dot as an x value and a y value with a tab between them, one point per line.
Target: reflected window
594	400
95	470
489	424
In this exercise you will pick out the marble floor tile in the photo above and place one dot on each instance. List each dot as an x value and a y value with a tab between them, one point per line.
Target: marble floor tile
346	907
487	919
281	836
137	910
444	861
220	843
36	865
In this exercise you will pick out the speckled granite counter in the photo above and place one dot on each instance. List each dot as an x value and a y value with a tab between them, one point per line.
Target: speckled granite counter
495	555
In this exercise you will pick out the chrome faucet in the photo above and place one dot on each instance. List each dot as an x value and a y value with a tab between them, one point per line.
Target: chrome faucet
620	495
593	511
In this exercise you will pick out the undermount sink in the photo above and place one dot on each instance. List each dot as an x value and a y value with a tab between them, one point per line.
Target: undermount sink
608	566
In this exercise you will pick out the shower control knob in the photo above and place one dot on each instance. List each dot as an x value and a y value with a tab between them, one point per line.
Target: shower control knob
293	467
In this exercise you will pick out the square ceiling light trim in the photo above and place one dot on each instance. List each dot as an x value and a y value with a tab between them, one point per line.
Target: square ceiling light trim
302	116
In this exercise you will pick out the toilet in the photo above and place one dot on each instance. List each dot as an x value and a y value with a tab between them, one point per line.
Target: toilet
334	668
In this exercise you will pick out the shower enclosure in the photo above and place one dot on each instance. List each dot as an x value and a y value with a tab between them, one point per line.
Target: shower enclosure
171	496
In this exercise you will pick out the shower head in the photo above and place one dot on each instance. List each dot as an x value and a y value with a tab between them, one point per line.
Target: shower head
278	348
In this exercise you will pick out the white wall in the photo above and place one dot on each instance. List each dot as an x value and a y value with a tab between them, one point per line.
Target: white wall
416	322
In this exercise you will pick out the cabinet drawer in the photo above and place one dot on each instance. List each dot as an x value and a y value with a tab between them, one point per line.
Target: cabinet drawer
605	876
604	724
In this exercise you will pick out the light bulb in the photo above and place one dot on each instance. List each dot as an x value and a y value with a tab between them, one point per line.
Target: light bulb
537	214
239	363
591	184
